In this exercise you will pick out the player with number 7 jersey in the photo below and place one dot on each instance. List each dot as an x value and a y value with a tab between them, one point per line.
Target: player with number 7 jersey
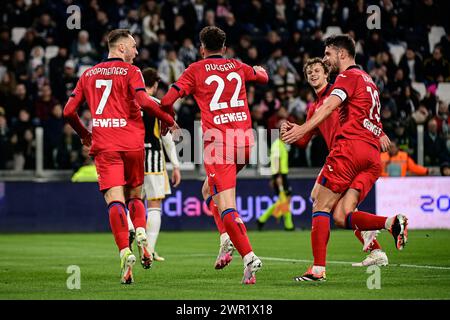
218	86
115	93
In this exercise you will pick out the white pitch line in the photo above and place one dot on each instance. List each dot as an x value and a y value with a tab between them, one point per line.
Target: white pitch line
331	262
349	263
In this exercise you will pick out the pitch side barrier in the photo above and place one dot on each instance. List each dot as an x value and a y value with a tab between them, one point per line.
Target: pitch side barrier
79	207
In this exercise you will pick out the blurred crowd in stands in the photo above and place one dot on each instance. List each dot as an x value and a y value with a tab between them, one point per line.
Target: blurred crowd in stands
41	60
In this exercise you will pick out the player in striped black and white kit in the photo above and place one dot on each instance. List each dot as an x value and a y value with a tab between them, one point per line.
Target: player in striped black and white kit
156	181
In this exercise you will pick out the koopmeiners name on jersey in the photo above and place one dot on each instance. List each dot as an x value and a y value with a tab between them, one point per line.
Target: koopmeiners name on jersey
230	117
109	123
116	71
219	67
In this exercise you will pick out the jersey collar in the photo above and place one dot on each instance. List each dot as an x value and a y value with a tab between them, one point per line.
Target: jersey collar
353	67
322	92
214	56
113	59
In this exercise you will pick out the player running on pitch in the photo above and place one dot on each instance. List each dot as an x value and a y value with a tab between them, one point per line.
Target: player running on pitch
218	86
316	72
115	92
356	153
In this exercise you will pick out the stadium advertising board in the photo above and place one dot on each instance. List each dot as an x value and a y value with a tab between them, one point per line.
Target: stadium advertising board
425	200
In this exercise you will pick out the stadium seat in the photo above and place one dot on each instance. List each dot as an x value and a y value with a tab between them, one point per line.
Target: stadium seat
17	34
434	36
82	69
51	52
420	87
397	52
443	91
332	30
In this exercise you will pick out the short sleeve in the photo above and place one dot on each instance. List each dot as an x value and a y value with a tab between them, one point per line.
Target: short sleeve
185	85
78	91
344	86
136	80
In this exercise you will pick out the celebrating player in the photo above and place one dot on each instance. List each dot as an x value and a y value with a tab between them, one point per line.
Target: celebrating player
115	92
355	154
218	86
316	73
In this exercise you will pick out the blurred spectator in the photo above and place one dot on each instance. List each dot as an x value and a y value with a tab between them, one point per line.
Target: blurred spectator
7	85
83	50
270	104
437	68
274	121
232	28
188	53
388	121
180	31
407	102
22	142
20	100
37	56
412	66
38	80
276	60
435	147
443	120
52	135
67	154
151	24
45	103
7	46
17	14
159	49
170	68
284	82
131	22
64	86
29	41
149	7
19	66
397	163
56	67
45	29
252	57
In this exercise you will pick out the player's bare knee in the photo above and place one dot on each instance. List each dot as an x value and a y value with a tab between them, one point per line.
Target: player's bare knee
339	220
323	207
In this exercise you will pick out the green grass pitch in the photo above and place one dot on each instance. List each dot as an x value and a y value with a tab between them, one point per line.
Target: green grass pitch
33	266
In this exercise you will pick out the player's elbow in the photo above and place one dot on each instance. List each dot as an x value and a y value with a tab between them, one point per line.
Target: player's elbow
68	111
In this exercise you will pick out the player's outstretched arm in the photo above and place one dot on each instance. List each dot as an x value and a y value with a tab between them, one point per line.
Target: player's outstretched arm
297	132
169	99
152	107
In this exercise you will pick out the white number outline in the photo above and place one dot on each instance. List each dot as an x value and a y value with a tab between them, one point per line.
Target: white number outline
234	102
375	103
103	83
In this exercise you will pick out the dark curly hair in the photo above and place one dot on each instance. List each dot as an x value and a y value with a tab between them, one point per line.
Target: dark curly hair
341	41
212	38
